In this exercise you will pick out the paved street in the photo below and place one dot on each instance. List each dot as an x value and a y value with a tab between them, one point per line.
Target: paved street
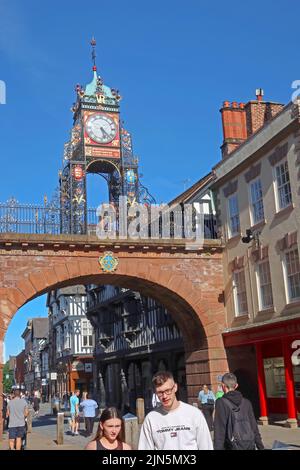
43	436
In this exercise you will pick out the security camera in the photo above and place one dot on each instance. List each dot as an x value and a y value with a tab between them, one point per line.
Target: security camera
249	236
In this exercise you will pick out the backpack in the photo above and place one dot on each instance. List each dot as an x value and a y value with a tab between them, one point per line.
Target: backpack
240	434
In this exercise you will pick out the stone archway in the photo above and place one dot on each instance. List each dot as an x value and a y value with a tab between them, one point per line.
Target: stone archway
189	284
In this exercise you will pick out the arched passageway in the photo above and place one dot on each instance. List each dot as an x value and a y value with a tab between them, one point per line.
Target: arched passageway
188	284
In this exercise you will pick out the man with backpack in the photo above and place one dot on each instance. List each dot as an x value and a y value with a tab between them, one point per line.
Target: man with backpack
234	424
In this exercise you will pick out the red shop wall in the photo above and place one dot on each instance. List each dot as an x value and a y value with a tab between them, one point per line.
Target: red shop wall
274	349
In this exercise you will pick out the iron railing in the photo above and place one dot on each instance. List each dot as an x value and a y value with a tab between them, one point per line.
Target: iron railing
47	219
35	219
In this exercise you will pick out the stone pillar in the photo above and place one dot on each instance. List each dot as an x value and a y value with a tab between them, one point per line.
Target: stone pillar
290	385
95	374
60	429
140	410
29	421
125	392
131	430
102	393
262	391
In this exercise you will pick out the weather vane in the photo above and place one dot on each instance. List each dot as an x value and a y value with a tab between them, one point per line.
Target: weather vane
93	44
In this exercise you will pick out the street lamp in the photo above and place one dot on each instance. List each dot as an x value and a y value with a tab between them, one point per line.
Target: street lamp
250	235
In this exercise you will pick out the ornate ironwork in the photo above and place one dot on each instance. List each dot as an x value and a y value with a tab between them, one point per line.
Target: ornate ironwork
51	219
67	212
34	218
82	156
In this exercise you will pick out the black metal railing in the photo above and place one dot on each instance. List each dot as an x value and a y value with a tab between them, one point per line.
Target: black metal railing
47	219
32	218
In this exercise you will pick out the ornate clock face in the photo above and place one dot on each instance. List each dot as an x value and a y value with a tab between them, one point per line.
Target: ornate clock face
101	128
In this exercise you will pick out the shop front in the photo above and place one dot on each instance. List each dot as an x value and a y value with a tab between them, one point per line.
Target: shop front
276	350
81	376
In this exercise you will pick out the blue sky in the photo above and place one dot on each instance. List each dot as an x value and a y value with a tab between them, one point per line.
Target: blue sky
174	63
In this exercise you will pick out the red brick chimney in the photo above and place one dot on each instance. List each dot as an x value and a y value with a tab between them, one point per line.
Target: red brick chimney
240	122
258	112
234	126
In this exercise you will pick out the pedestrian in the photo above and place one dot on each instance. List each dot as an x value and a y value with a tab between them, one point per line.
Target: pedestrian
65	400
207	403
110	432
4	410
219	392
17	411
27	398
55	404
89	407
174	425
36	404
235	427
74	408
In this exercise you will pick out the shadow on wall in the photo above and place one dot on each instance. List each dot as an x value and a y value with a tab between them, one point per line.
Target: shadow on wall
248	389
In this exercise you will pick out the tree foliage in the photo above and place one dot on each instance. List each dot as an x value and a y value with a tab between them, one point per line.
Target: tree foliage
8	378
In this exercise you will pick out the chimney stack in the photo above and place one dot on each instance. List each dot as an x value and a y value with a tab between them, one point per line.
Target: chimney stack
241	121
234	126
259	94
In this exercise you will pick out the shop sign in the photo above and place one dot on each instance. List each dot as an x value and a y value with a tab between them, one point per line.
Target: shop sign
88	367
77	365
296	354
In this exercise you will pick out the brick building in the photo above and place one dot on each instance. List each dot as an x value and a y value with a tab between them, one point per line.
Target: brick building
34	335
256	187
19	373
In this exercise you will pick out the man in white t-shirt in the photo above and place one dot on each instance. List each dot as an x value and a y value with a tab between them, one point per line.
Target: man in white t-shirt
174	425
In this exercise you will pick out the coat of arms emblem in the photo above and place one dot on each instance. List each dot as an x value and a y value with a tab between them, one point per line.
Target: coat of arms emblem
108	262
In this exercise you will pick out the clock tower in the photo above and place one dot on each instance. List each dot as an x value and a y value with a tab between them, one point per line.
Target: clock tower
98	144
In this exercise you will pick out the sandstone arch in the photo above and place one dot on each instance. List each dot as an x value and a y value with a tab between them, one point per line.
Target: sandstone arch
189	284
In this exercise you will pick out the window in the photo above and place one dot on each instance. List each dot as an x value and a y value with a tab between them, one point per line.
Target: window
234	218
67	337
87	333
292	269
284	194
239	291
296	372
58	340
264	285
257	207
274	377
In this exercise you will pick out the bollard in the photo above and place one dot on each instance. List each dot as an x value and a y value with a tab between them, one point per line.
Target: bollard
140	410
60	428
29	421
131	429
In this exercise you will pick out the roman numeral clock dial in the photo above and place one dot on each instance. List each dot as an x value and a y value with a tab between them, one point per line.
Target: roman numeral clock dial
101	128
